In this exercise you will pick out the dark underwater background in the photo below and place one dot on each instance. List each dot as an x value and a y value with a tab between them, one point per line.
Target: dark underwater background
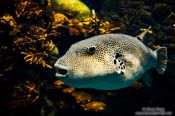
35	33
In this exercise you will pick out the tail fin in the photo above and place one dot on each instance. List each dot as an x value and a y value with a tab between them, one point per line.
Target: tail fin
161	59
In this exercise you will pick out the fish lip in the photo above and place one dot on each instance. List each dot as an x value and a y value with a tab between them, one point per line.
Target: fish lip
59	75
59	65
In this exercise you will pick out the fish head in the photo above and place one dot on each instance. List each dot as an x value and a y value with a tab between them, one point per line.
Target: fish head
86	59
86	62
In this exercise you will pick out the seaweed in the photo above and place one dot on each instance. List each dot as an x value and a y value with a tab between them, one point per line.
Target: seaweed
32	37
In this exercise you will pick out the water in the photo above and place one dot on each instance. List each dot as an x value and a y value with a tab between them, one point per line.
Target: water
32	37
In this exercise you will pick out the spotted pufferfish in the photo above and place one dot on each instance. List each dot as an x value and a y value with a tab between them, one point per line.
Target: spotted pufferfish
109	62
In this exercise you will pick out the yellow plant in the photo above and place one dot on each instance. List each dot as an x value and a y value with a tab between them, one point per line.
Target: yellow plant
86	27
82	97
35	45
24	93
58	20
36	58
7	19
94	106
28	9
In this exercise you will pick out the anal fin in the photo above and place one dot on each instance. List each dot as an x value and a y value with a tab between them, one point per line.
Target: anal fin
147	79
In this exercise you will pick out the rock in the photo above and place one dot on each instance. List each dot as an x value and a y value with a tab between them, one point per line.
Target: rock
71	8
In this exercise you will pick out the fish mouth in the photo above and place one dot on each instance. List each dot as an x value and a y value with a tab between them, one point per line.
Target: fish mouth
61	70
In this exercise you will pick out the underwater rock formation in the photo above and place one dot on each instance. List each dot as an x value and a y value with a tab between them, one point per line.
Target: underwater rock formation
23	94
72	8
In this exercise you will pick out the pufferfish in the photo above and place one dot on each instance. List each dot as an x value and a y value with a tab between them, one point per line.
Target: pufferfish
109	62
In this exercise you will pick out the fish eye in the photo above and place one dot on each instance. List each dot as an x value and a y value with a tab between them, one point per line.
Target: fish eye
91	49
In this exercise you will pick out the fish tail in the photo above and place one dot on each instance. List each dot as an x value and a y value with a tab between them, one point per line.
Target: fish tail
161	59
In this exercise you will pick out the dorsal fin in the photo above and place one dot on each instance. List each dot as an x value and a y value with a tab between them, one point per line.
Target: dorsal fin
141	36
